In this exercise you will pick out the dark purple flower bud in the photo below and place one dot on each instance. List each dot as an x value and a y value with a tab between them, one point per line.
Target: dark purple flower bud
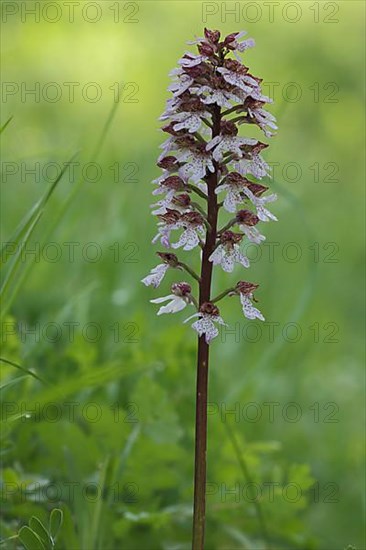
235	66
174	182
251	103
230	238
192	218
257	189
234	178
206	49
230	39
181	289
243	287
258	147
212	36
192	104
228	128
169	129
186	141
202	70
168	163
254	149
247	217
170	217
168	258
182	200
207	308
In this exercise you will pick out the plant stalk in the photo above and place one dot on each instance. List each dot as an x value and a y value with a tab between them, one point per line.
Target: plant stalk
199	508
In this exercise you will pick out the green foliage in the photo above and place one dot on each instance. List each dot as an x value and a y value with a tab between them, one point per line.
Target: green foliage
38	537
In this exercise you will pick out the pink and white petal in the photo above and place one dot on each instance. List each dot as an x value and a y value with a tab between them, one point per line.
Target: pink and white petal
265	215
228	262
156	275
192	317
252	234
245	44
162	299
221	188
177	304
211	332
217	255
250	312
220	321
213	142
243	260
231	200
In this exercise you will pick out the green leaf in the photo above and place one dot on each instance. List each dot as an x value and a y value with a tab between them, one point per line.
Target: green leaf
37	526
56	519
30	539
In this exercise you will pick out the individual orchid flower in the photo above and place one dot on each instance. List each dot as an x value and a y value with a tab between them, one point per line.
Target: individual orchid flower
206	155
228	252
181	203
169	221
171	186
157	274
237	75
208	315
218	92
260	116
193	224
179	299
233	184
169	165
182	82
186	113
228	141
247	220
263	214
196	162
245	291
232	42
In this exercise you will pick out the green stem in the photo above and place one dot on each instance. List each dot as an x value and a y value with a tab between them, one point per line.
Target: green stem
222	295
197	190
190	271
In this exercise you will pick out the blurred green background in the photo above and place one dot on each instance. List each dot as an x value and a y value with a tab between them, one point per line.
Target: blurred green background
295	382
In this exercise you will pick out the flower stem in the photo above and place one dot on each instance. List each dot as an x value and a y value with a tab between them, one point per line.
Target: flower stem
203	358
190	271
198	191
227	226
222	295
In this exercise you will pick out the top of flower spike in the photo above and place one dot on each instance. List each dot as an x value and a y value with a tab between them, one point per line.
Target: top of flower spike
210	44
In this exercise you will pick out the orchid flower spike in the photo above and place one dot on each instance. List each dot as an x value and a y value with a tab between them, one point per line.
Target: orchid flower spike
210	168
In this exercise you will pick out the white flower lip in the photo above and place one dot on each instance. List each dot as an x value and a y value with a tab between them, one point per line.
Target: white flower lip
206	325
177	303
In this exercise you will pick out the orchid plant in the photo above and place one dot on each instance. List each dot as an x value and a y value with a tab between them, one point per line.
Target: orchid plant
204	157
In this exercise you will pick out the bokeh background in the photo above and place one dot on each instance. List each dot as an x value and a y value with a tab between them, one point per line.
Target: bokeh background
108	433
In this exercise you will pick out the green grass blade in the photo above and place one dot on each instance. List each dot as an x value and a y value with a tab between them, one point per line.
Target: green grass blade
30	220
26	371
25	272
6	123
12	382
